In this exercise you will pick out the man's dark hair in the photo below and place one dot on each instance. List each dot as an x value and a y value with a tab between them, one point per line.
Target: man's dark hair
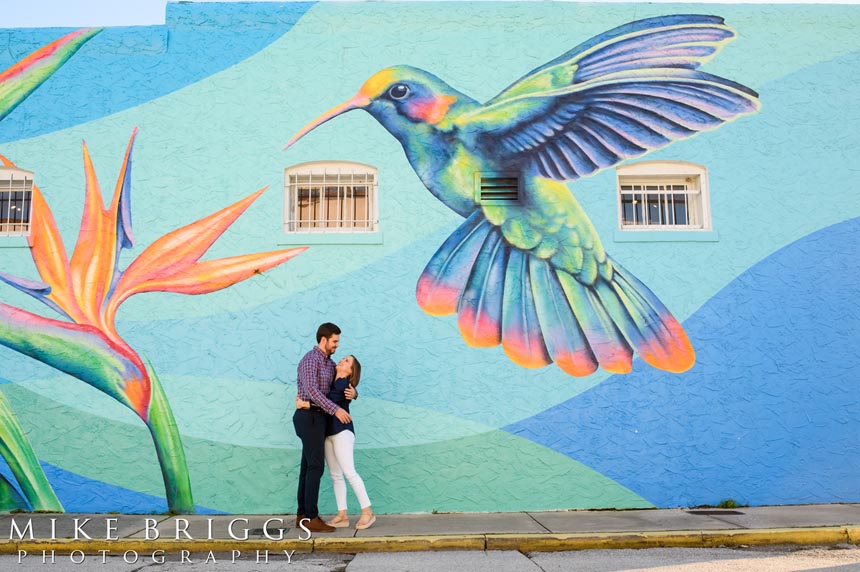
327	330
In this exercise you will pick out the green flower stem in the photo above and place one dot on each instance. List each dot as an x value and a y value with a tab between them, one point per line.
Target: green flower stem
9	497
18	453
168	445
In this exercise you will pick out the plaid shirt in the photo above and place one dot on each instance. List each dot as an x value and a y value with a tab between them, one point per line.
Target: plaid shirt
316	374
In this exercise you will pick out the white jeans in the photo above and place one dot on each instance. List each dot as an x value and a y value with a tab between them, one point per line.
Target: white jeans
339	458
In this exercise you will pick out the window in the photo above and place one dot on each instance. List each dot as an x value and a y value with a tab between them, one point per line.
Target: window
16	195
663	195
330	197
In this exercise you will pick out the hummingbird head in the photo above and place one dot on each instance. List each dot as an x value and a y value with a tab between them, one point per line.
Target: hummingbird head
400	98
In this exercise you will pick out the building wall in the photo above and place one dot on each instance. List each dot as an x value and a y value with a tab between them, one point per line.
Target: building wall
768	414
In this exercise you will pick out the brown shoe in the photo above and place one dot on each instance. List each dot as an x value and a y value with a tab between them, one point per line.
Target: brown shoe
317	525
299	518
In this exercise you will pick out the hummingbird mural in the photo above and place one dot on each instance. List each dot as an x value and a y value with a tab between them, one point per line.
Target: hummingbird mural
533	274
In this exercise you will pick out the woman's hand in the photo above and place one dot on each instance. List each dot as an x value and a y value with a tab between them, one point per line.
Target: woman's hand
302	404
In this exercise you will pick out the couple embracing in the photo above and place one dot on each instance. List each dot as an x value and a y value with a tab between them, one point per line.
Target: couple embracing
323	423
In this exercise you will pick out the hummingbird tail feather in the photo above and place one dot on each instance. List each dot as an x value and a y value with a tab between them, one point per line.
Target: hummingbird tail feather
522	336
441	283
651	329
541	314
562	334
480	305
607	343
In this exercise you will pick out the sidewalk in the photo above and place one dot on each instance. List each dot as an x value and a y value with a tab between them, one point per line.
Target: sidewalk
526	532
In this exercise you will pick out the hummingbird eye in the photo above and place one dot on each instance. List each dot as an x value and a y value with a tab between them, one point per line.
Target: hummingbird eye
398	91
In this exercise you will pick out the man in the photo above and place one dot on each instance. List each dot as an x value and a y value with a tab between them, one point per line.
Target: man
315	375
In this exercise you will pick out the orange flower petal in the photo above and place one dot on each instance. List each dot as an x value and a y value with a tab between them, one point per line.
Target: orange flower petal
92	260
49	253
212	275
178	250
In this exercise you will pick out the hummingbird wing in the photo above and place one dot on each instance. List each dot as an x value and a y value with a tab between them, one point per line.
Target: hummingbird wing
678	41
621	95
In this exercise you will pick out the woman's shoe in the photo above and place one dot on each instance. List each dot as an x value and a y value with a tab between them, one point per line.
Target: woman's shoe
362	525
338	523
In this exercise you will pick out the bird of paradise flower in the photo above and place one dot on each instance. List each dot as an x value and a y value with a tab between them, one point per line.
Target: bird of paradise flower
88	288
17	83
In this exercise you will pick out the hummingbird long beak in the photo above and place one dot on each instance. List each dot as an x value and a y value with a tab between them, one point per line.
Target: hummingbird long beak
357	102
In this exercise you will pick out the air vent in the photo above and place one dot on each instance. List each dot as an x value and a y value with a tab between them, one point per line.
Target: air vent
497	188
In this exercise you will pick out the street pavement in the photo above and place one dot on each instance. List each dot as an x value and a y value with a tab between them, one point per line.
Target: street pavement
839	558
823	538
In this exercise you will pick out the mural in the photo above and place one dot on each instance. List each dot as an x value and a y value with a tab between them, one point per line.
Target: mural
87	290
764	311
534	275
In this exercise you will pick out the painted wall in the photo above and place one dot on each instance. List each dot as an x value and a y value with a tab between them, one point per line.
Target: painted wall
767	414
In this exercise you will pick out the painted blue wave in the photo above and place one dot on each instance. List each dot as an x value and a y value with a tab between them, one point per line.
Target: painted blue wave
770	413
125	66
81	494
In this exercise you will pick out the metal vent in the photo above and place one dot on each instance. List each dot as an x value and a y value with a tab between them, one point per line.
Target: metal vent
497	188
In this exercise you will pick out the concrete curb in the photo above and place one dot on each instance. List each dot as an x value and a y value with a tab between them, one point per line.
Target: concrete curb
401	543
669	539
530	542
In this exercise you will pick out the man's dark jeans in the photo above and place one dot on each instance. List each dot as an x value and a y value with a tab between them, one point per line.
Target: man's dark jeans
310	427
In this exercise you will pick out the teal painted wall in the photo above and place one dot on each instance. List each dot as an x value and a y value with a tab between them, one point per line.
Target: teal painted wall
442	426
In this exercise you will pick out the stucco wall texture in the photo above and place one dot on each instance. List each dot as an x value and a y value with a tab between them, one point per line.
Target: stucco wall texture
769	413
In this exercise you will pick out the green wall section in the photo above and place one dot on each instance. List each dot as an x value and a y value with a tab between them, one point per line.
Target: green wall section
485	472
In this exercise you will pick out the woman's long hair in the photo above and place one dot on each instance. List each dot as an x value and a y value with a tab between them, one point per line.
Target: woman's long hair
355	376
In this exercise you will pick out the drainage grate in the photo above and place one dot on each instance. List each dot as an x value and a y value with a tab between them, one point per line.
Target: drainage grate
272	530
714	512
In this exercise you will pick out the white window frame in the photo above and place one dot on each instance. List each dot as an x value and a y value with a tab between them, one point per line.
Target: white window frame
15	181
661	173
342	173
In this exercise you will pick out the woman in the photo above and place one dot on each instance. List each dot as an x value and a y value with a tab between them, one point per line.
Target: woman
339	446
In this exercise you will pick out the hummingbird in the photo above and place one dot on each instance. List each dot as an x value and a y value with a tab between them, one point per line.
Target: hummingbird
531	273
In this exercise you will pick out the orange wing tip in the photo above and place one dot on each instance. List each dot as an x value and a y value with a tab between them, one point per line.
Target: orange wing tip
616	361
578	364
679	360
436	299
478	332
523	359
521	352
675	354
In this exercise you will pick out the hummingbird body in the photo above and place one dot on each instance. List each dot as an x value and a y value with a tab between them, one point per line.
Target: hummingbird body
532	275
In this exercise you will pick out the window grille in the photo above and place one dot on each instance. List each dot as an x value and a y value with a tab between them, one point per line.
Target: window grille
16	196
330	197
663	196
